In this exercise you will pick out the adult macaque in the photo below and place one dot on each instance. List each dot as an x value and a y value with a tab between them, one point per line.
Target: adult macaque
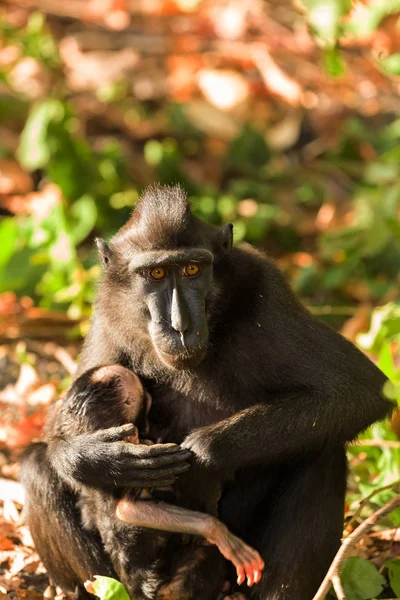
112	396
263	395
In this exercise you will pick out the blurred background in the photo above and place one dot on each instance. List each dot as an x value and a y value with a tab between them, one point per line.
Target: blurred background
280	116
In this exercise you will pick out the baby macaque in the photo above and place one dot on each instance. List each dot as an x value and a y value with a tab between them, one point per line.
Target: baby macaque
112	396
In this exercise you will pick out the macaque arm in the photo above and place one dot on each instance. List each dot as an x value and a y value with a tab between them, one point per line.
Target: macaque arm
167	517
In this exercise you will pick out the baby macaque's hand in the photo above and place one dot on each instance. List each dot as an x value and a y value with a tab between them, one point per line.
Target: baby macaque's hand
133	438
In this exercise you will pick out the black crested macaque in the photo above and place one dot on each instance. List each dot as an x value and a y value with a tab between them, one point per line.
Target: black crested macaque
112	396
263	395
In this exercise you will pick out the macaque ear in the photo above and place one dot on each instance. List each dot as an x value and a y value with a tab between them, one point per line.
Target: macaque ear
104	253
227	236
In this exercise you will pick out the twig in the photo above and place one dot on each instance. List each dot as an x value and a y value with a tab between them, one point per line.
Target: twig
65	360
332	575
390	486
377	443
337	586
340	311
275	79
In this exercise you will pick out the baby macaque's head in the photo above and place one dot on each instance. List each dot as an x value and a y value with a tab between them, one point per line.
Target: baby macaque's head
128	389
108	397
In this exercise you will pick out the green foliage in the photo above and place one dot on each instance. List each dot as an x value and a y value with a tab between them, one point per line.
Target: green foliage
34	150
34	39
324	17
360	579
371	243
333	62
372	15
391	64
107	588
384	332
249	150
393	567
9	238
47	141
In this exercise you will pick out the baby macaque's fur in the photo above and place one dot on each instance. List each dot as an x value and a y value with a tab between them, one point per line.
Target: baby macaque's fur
112	396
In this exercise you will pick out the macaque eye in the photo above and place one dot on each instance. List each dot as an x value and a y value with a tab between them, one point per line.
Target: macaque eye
191	269
158	273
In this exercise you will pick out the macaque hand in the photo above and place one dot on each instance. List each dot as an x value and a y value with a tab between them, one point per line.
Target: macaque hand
104	459
201	442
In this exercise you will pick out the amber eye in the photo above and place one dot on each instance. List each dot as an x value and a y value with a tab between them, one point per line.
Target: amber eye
191	269
158	273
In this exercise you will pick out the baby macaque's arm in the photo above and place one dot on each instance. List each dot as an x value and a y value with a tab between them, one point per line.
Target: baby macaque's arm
167	517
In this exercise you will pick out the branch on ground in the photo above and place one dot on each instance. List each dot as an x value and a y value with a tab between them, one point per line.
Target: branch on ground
332	577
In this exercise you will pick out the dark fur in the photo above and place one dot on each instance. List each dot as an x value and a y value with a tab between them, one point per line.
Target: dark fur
269	409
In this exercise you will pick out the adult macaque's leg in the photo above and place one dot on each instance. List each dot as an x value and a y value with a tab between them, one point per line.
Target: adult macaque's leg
167	517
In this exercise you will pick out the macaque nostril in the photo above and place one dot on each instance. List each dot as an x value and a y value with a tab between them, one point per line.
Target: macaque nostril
180	328
179	314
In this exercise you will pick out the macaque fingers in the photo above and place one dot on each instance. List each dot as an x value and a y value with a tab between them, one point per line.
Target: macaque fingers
154	462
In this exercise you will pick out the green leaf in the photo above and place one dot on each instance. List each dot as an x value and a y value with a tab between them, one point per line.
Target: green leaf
70	166
249	148
371	16
360	579
386	361
305	282
336	275
84	212
333	62
385	325
36	23
153	152
391	64
21	274
393	567
34	150
381	173
324	18
8	237
109	589
392	391
395	517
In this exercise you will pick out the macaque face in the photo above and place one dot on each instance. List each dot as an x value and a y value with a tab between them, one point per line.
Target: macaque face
159	273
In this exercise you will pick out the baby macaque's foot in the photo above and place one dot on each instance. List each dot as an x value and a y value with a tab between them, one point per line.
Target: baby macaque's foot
247	561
